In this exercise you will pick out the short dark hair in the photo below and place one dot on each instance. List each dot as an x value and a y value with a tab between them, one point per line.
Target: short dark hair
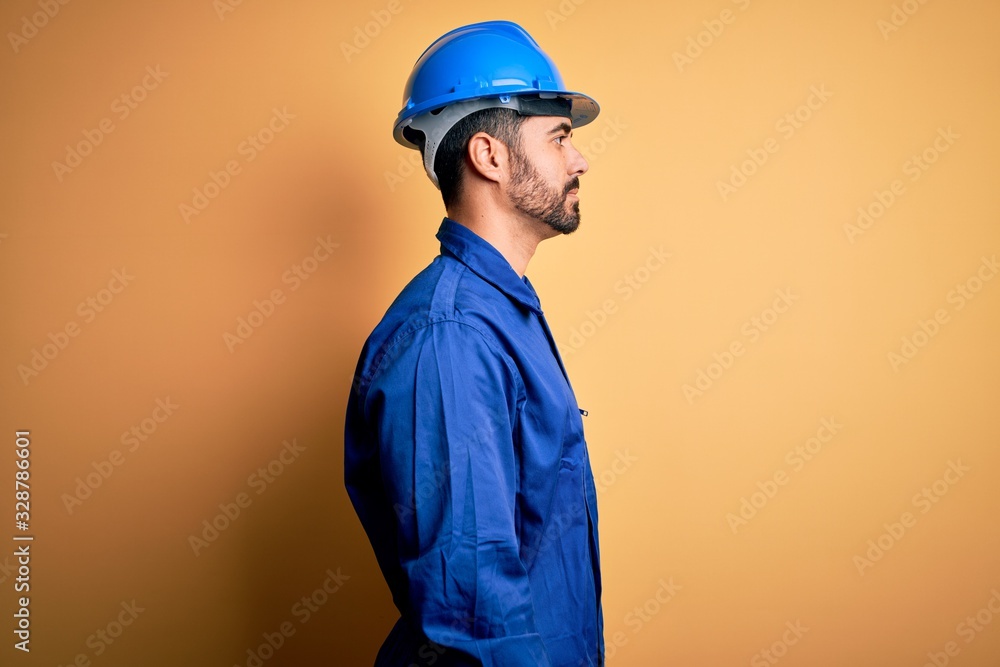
499	123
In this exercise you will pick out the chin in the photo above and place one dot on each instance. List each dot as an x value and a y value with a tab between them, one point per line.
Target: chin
565	229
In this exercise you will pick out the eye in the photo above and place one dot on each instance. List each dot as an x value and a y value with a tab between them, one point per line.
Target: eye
560	138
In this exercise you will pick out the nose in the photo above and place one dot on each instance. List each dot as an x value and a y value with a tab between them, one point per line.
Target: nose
577	163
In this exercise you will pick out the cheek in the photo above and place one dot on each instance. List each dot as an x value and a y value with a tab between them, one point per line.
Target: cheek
550	162
554	168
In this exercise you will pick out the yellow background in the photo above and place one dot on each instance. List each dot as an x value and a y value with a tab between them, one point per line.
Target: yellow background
672	466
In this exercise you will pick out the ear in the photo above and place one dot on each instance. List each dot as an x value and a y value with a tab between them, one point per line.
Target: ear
487	156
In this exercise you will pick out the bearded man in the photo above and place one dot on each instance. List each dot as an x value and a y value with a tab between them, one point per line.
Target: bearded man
465	456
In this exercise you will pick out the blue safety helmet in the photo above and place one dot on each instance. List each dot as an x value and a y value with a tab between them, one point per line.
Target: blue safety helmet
479	66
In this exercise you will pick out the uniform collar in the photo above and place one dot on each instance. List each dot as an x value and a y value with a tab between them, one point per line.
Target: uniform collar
486	261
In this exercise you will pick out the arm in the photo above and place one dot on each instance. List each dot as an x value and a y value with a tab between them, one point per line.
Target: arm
444	404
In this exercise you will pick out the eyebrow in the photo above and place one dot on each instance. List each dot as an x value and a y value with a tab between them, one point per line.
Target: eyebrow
561	127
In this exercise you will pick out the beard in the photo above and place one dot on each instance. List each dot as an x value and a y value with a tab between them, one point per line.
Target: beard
535	198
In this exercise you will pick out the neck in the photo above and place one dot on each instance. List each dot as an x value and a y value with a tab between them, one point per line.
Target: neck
514	237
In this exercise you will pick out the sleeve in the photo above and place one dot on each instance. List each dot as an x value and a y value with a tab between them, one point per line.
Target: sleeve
445	405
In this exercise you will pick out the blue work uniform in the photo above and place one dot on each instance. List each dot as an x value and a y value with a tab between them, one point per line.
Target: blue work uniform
466	462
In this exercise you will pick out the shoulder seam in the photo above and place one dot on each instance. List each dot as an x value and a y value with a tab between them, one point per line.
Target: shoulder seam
492	343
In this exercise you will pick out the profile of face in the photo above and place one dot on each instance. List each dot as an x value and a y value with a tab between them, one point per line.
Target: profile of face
545	173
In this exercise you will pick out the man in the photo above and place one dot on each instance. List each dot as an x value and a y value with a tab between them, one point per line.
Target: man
464	450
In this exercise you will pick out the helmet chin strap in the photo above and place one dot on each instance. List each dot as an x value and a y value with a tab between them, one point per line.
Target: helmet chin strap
435	125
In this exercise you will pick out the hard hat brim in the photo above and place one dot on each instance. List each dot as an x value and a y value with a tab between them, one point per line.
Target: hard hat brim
584	109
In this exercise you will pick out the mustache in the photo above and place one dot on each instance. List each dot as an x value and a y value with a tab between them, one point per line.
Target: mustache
572	185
